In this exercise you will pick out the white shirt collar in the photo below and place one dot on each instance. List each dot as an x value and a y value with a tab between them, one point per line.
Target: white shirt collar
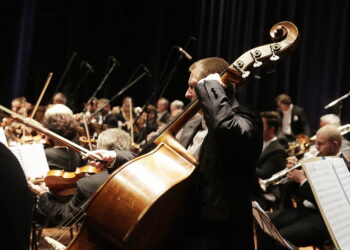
267	143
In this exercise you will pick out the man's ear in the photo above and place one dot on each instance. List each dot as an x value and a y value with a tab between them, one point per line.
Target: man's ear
336	144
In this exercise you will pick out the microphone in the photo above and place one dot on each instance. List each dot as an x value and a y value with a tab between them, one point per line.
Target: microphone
193	38
112	58
147	71
183	52
89	66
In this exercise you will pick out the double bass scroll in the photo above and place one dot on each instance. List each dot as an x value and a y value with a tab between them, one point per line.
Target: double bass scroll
142	203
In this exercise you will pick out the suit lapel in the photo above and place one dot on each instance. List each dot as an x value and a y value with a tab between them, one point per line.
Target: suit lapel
189	131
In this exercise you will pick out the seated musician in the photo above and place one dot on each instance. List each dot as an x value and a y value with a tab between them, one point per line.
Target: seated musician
122	115
105	118
271	161
59	98
60	120
13	129
150	124
163	114
303	225
334	120
176	107
51	211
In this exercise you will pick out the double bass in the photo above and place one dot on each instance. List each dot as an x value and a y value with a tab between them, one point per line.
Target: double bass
141	204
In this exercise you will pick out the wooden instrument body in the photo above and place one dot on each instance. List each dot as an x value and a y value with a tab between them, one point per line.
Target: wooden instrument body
147	196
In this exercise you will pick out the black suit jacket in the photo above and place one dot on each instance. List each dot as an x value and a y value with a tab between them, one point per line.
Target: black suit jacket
226	164
299	123
271	160
165	117
63	159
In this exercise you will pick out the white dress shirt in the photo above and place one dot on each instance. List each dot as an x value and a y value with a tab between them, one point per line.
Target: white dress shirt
287	118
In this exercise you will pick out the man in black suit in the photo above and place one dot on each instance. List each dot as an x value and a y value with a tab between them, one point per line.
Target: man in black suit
271	161
227	142
294	121
230	140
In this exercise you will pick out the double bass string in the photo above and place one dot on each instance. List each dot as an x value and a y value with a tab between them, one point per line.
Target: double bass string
69	222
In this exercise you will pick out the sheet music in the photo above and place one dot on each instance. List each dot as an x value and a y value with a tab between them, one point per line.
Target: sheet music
3	137
32	158
330	180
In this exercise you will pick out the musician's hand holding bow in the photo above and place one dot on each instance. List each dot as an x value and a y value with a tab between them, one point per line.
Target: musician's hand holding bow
108	158
295	175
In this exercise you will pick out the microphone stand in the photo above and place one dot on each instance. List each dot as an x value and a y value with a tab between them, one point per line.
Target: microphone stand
153	95
120	93
69	64
166	84
167	81
100	85
81	81
339	100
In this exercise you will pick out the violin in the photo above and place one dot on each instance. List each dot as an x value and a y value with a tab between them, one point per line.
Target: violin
29	139
64	183
84	140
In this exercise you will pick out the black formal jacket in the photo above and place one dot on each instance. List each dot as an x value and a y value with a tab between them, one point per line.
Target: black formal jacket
63	159
299	123
226	163
271	161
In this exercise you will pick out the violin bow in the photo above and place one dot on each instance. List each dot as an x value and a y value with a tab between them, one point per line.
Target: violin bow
87	131
37	126
131	120
41	94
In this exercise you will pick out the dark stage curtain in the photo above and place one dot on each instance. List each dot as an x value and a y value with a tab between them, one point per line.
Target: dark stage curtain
17	24
313	75
135	33
38	37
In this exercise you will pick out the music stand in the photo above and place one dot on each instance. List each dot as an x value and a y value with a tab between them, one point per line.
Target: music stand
266	225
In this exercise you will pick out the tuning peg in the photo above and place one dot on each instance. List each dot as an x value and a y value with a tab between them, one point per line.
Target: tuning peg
274	47
256	54
239	67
